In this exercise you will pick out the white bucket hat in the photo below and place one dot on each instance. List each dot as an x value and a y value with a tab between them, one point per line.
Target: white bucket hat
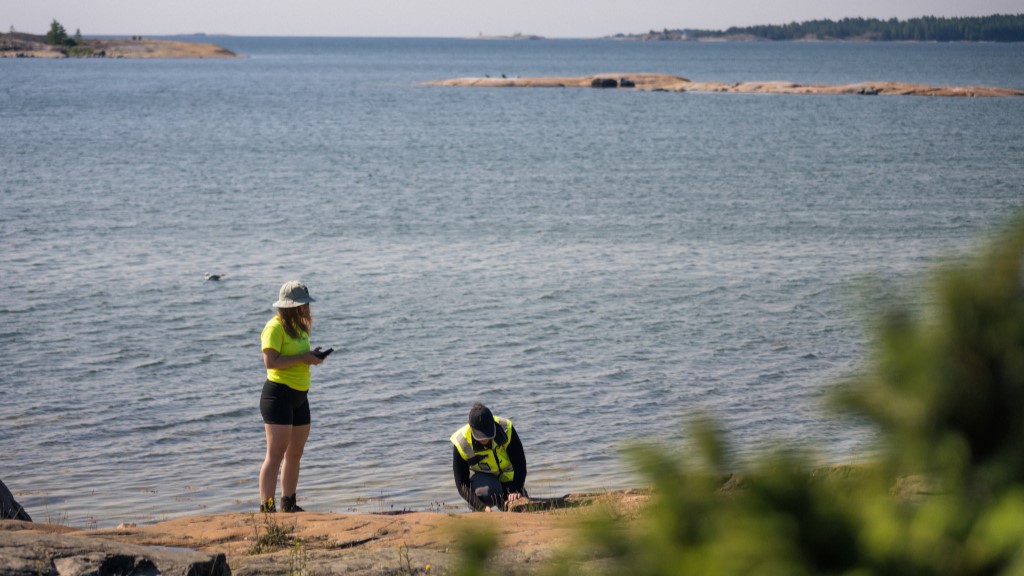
293	294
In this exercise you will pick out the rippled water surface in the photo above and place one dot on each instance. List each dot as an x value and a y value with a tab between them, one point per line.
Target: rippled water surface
594	265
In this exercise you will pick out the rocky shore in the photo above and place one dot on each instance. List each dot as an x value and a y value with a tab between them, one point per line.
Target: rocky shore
528	539
30	46
670	83
309	542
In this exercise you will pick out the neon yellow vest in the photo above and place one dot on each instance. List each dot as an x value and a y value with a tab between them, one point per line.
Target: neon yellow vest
493	460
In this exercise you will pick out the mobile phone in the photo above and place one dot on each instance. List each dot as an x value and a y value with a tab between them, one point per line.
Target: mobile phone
323	353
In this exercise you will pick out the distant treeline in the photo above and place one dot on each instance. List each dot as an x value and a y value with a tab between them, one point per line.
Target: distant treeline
997	28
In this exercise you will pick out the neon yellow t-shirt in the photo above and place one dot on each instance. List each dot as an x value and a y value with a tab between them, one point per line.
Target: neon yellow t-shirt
274	337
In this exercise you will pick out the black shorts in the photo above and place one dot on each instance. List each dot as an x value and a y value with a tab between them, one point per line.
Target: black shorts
281	404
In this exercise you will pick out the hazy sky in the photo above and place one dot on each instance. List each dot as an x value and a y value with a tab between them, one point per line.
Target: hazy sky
454	18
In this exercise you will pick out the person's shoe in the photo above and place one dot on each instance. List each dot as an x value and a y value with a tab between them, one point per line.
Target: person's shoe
268	505
288	504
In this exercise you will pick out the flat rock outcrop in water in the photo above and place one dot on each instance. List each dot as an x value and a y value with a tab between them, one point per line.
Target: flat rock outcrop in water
670	83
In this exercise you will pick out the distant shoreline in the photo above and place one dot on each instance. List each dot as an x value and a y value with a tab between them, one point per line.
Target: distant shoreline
20	45
806	40
516	36
994	28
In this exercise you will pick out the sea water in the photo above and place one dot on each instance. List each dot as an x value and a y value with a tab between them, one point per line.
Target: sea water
599	266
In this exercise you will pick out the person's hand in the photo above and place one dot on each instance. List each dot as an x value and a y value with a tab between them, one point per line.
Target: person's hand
313	359
511	497
487	509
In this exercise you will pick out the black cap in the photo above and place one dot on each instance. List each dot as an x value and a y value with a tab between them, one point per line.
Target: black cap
481	422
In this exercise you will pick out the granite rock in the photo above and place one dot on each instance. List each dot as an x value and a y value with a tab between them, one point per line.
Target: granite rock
32	553
670	83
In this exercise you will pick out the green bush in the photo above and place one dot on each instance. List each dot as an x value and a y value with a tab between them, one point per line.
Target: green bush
80	52
947	389
944	385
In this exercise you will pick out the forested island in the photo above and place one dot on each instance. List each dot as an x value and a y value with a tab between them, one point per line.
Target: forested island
995	28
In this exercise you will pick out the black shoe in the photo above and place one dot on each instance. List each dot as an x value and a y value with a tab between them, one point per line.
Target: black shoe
268	505
288	504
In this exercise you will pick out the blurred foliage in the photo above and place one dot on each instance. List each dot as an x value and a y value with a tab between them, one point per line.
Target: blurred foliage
945	388
477	547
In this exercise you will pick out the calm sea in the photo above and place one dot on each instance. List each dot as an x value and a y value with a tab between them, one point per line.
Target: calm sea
598	266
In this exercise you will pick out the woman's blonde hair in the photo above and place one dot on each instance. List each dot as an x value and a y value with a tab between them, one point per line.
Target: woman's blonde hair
297	320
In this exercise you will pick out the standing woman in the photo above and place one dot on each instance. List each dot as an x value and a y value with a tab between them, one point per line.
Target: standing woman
284	405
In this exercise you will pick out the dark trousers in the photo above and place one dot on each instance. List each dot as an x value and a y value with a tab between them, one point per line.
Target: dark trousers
489	489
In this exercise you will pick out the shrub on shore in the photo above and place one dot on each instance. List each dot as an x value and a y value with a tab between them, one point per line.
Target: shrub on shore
944	385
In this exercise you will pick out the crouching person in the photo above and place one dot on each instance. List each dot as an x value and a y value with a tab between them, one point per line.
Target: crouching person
488	461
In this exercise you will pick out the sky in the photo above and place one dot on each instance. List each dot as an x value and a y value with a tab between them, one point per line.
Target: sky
454	18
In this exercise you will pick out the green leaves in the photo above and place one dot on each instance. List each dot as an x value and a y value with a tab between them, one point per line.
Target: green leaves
945	388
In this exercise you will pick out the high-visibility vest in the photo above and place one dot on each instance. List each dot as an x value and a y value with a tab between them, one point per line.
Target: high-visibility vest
490	459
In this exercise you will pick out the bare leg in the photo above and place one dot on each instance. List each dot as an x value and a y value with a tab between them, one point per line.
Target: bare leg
290	471
278	438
